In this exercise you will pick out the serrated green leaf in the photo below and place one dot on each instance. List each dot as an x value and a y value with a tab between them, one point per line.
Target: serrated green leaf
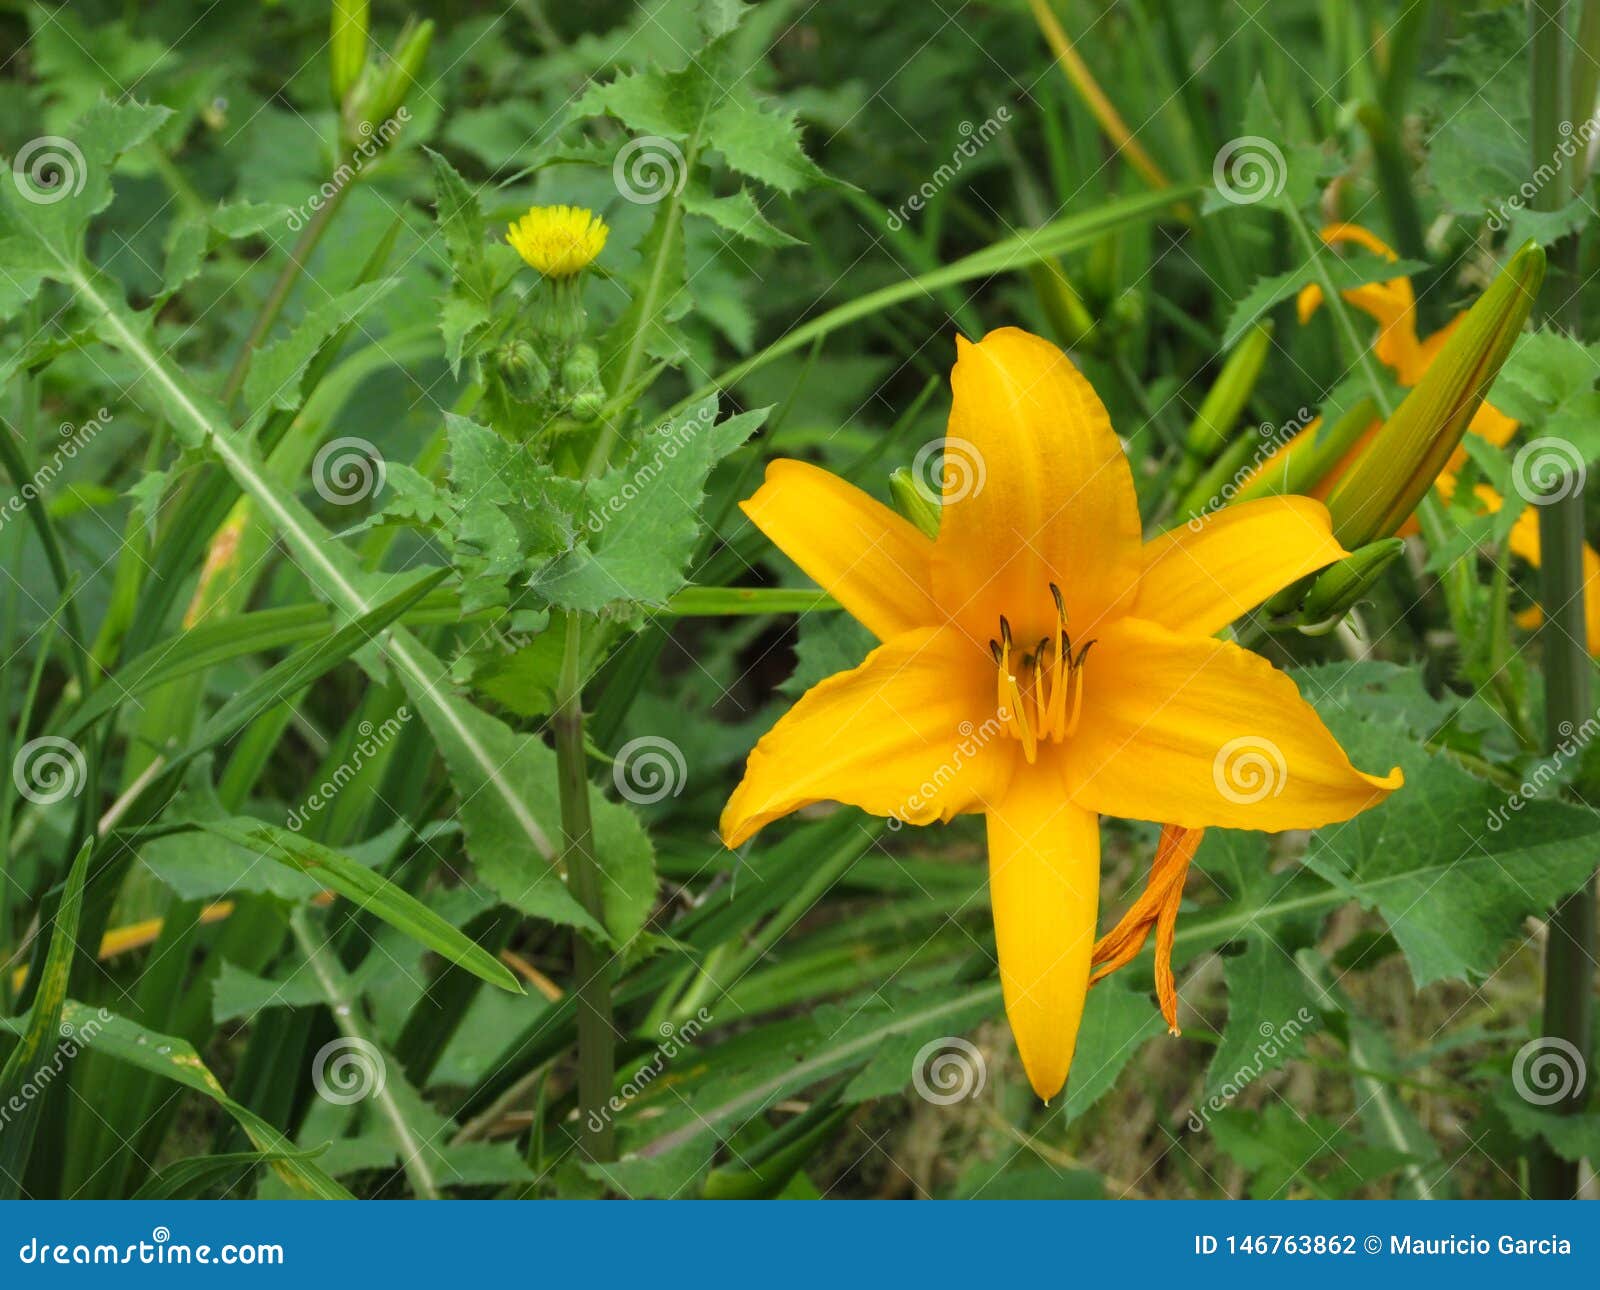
1453	866
1268	293
642	518
277	369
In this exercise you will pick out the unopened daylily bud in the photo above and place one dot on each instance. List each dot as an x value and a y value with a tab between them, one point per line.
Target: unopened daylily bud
1225	400
394	82
1339	587
347	46
1404	458
910	498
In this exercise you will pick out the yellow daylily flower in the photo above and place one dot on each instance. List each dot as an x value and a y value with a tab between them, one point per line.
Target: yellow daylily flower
1393	305
984	694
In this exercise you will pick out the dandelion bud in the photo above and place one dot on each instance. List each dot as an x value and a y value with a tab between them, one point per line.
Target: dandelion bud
394	83
525	374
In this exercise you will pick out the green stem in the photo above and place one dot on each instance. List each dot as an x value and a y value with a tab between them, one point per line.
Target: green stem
272	306
1569	947
592	964
342	1004
1570	935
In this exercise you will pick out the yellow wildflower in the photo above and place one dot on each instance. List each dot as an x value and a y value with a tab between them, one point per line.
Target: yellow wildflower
558	241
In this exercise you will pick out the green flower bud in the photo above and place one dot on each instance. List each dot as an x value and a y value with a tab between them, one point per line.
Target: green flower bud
1404	458
586	405
383	92
581	370
347	47
525	373
1338	588
908	496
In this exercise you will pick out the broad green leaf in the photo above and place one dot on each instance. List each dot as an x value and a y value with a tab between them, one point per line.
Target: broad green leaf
236	993
1451	864
523	770
1346	271
737	214
1271	1014
1288	1154
277	370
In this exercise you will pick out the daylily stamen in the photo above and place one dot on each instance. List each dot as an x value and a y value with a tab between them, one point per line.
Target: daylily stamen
1055	676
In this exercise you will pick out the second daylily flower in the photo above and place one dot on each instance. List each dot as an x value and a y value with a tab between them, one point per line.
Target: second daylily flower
986	696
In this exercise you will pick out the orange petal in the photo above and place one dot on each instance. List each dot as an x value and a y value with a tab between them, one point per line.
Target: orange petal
1392	304
1037	490
1202	575
1044	885
1199	732
911	734
875	564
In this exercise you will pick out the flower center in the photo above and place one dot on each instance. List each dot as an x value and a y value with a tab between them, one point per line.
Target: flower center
1040	692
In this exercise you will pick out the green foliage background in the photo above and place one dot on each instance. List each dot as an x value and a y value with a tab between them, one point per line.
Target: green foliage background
292	570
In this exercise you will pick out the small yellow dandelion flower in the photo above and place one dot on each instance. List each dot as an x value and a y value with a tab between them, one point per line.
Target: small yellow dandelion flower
558	241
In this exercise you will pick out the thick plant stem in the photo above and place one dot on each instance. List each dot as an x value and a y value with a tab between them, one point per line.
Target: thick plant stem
597	1057
1570	937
